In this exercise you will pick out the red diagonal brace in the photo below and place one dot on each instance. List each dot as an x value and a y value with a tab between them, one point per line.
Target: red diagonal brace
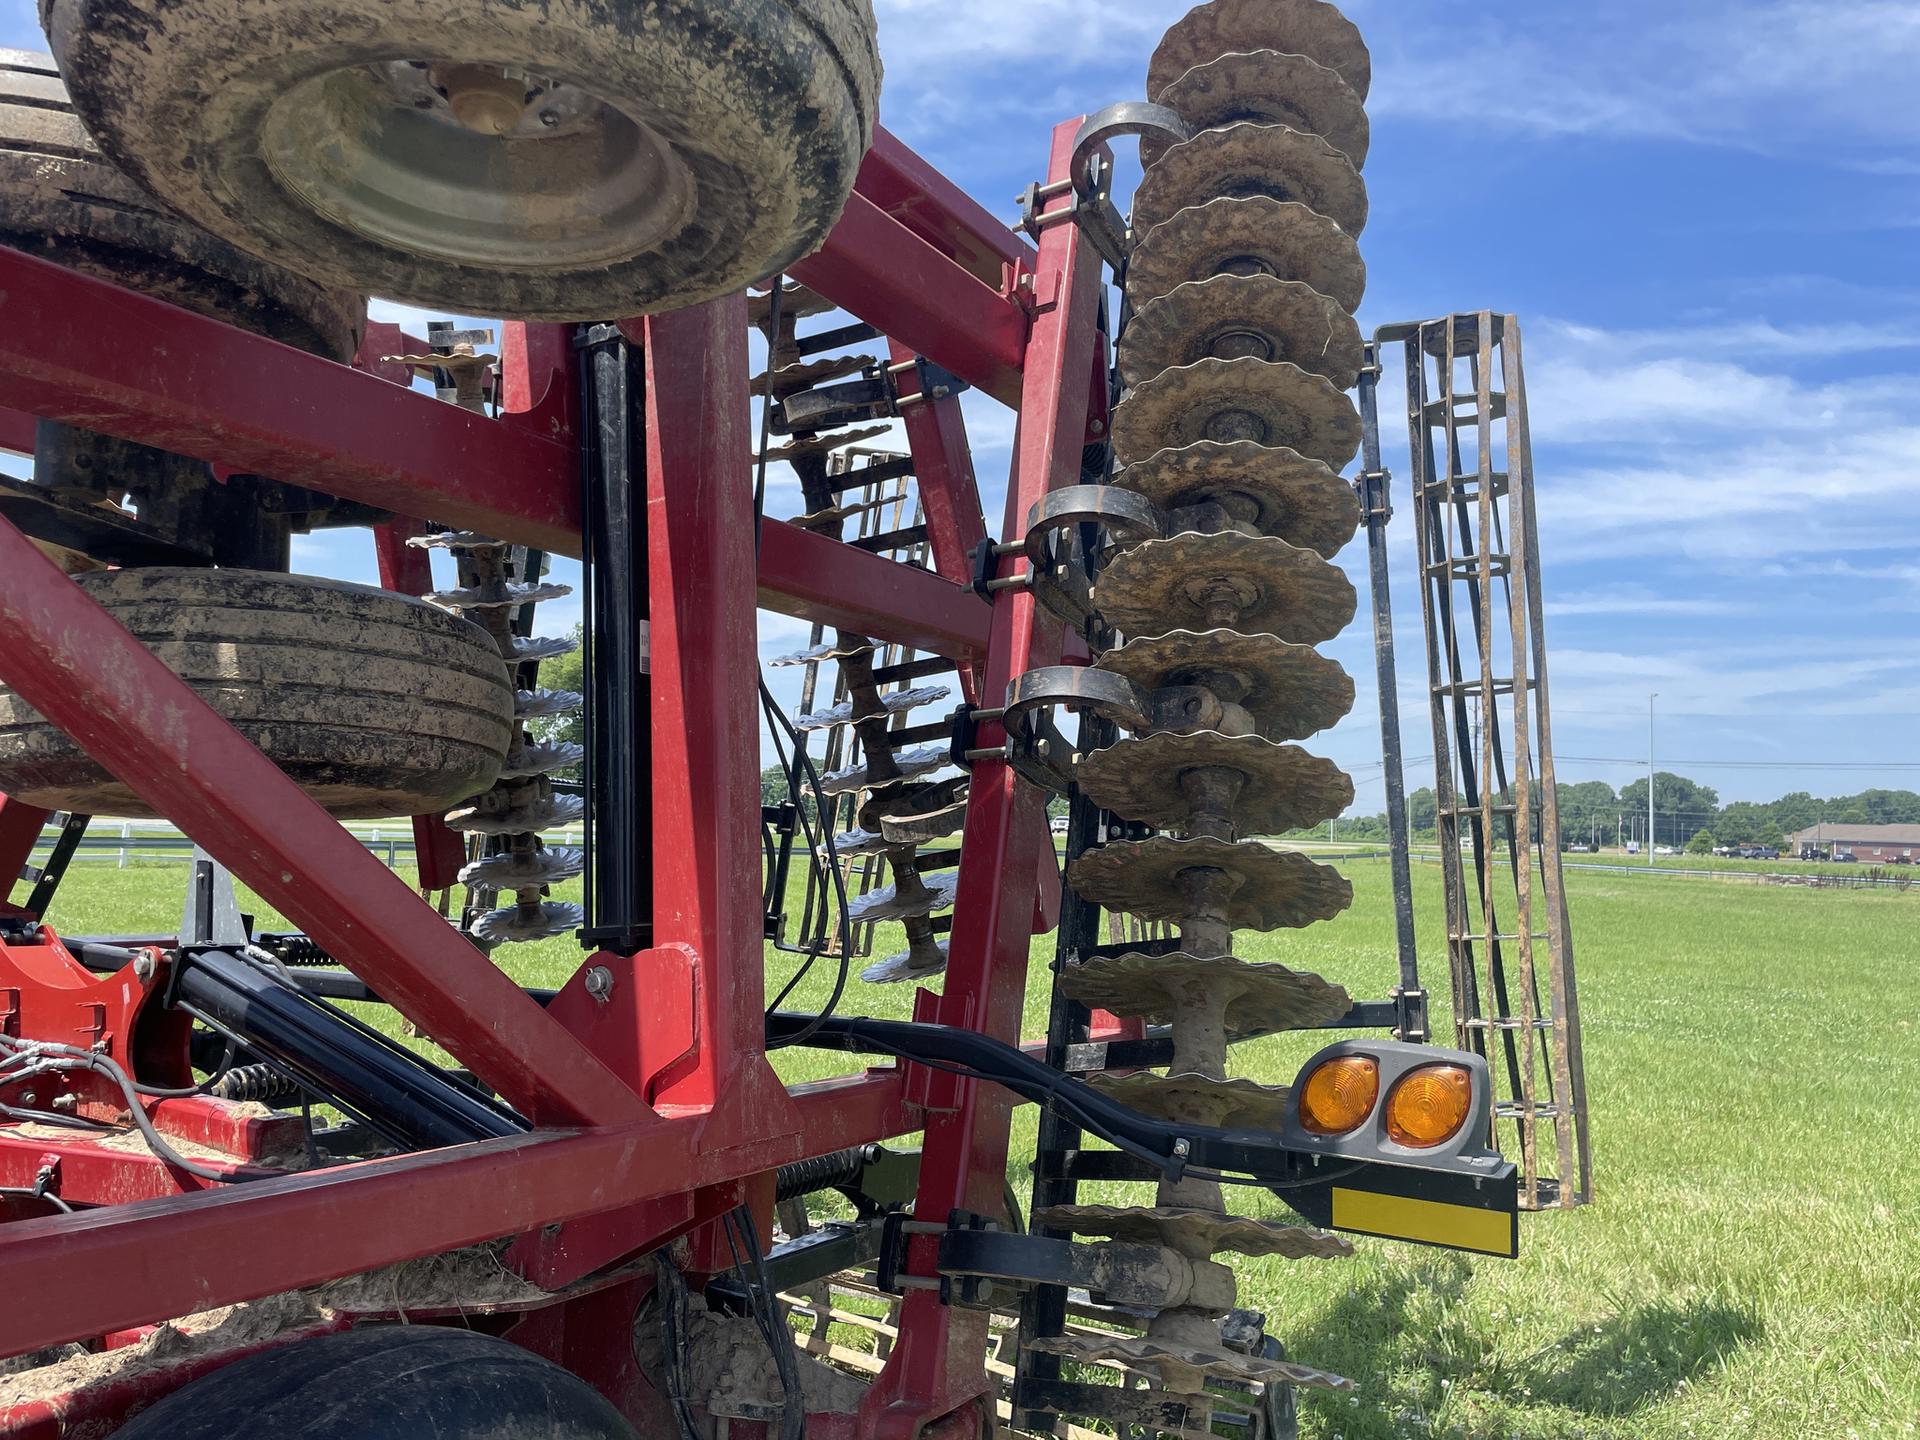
76	665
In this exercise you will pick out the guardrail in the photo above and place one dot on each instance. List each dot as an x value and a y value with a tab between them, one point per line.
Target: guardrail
129	843
1876	879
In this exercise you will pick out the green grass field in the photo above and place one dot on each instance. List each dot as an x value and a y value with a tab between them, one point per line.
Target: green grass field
1751	1267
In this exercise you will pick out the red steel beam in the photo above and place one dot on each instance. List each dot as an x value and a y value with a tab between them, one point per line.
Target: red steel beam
949	493
79	667
126	1265
943	464
808	575
77	349
706	723
136	1264
16	431
904	185
88	353
876	268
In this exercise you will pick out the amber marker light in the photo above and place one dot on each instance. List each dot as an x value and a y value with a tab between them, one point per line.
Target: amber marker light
1428	1106
1339	1095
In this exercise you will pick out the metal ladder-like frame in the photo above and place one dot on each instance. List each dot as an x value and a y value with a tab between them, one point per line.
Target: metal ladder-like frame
1480	591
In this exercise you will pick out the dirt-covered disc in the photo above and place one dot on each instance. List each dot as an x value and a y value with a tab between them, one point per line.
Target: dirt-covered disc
63	201
797	302
1270	403
1173	1362
1276	889
1241	161
1231	316
804	375
1251	583
934	892
1282	787
907	965
1292	691
1297	27
1257	235
1279	491
1146	1225
911	765
1256	999
824	443
1266	87
1231	1104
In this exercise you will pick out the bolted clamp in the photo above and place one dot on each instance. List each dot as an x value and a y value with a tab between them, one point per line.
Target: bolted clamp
1374	488
898	1228
1034	747
1410	1015
987	582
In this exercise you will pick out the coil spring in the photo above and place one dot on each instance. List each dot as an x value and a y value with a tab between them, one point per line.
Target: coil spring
299	950
823	1172
262	1083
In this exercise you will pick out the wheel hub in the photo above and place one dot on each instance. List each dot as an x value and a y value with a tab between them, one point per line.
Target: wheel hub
477	164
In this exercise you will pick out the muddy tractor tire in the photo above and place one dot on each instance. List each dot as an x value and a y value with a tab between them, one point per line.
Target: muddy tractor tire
63	201
572	160
376	704
385	1383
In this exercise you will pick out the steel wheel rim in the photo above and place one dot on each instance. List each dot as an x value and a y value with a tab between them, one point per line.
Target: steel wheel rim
574	180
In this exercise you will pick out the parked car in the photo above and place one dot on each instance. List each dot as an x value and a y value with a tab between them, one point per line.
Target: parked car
1059	824
1580	847
1665	850
1844	857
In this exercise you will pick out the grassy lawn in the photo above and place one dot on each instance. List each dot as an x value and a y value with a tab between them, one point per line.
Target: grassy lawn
1751	1267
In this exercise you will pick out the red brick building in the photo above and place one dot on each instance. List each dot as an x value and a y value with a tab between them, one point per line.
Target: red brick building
1869	844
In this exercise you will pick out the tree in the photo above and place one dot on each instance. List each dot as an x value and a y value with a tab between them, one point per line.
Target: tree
564	672
1745	823
1796	812
773	786
1422	811
1680	806
1702	843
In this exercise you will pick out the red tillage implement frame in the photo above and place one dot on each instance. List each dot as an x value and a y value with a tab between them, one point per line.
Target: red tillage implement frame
655	1107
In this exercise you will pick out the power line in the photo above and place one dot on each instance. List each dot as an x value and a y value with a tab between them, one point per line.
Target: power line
1640	764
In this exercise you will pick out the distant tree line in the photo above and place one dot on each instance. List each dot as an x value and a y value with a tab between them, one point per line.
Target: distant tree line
1592	811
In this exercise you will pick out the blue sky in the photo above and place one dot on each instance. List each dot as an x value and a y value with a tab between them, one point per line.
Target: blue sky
1707	216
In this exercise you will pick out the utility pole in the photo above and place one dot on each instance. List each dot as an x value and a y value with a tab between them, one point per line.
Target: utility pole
1650	699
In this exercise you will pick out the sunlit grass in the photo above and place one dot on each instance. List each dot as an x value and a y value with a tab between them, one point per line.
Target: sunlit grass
1751	1267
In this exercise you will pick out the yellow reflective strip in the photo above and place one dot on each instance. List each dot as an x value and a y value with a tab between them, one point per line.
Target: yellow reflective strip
1461	1227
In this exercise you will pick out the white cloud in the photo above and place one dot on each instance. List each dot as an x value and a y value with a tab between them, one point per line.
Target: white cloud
1776	77
1636	600
1654	442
